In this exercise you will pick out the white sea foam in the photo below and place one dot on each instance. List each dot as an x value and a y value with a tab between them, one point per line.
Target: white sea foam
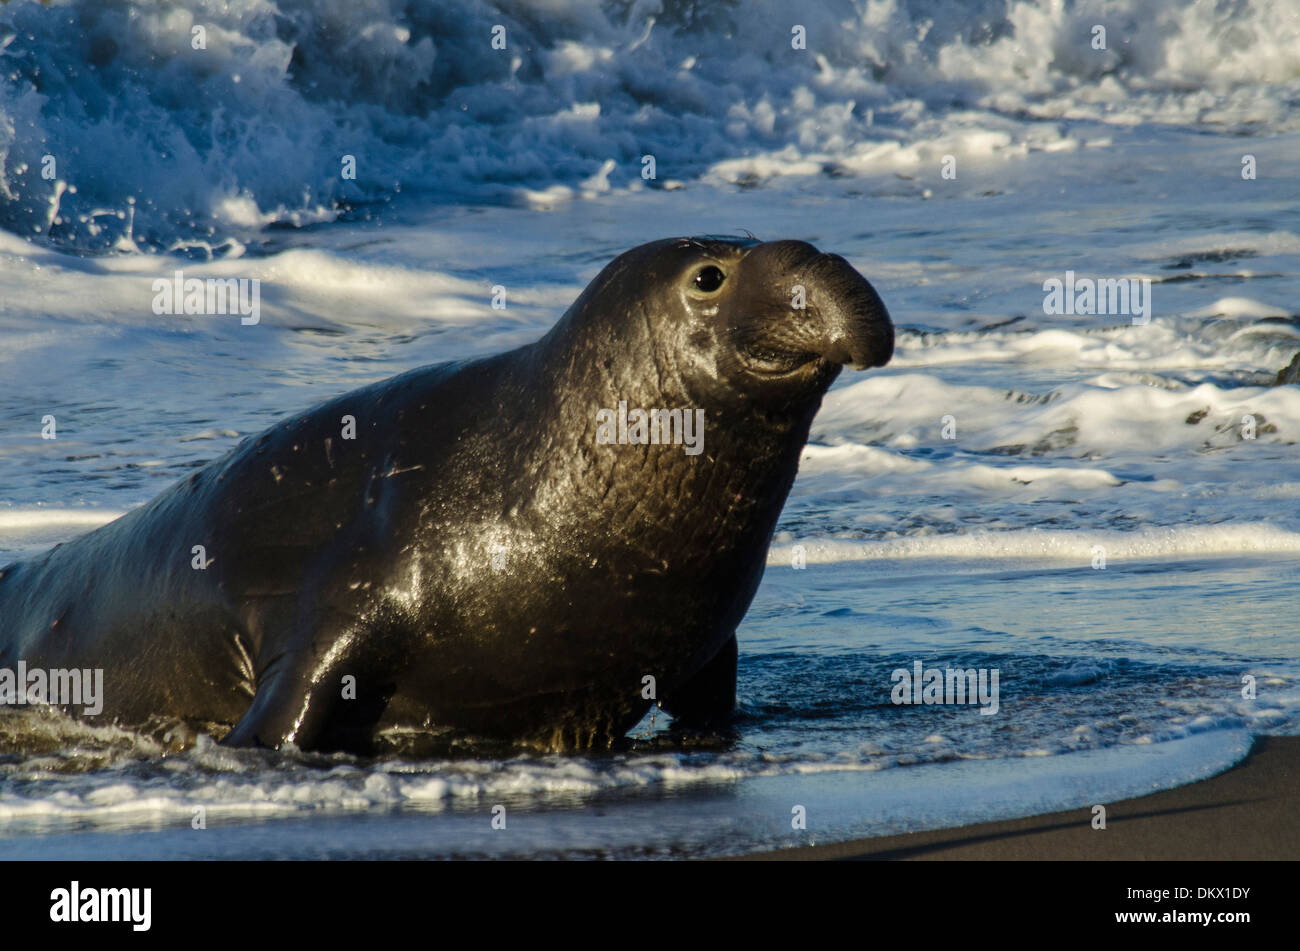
907	409
1188	541
32	529
208	146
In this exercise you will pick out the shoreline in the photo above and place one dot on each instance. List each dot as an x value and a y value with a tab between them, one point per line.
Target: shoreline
1249	812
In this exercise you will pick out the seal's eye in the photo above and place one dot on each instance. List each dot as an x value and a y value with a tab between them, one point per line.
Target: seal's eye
709	279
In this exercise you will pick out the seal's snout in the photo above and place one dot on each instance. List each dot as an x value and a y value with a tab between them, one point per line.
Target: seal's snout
853	321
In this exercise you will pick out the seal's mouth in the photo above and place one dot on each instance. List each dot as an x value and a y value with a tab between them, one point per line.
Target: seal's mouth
775	364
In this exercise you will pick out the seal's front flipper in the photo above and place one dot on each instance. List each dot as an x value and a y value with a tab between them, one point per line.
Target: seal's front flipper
709	698
296	697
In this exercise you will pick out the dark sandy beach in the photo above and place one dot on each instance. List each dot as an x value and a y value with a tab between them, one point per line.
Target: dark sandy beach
1252	811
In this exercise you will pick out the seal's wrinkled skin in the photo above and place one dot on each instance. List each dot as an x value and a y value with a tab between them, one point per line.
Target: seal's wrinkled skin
474	558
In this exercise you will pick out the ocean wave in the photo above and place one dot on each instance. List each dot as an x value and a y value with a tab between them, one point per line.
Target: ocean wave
71	775
907	411
1063	545
116	132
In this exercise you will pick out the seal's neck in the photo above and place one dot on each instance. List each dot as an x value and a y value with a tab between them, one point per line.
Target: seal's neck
622	449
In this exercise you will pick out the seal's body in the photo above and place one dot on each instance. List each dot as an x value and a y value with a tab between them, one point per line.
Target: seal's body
481	557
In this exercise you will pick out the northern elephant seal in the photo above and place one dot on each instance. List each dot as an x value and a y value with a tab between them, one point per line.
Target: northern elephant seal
528	546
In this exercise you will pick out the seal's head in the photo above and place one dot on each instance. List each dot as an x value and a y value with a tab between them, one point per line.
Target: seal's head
735	320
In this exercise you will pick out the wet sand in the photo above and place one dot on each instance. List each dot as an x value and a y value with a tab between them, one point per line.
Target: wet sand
1250	812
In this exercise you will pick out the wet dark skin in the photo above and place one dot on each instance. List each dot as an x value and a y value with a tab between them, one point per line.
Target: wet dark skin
474	558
